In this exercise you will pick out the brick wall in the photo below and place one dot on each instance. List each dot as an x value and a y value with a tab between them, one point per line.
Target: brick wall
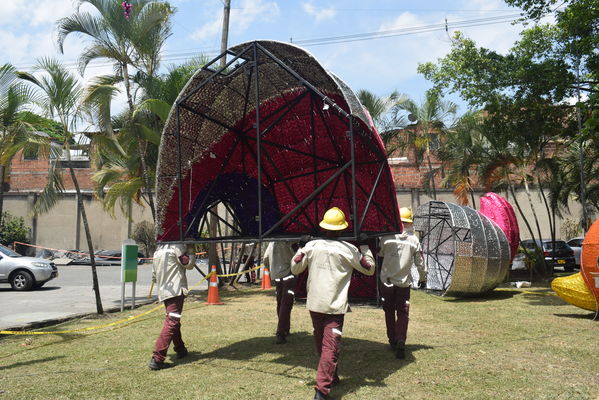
32	175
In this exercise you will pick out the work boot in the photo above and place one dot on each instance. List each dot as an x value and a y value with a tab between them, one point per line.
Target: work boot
400	350
182	354
155	365
281	339
321	396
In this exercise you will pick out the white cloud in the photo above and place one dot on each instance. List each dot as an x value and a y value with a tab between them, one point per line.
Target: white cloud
241	18
320	14
21	50
207	30
397	58
8	10
34	12
485	5
49	11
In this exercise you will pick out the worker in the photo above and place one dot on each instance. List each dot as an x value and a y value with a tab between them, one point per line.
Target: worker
399	253
170	264
277	258
330	263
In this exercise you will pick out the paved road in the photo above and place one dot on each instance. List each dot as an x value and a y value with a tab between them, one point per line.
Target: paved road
71	294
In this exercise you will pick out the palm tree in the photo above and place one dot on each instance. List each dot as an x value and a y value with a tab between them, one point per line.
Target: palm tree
130	43
59	96
14	129
461	152
432	118
387	123
118	179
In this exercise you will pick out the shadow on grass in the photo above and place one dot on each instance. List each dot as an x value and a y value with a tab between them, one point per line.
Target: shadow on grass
241	292
483	297
544	297
362	362
31	362
590	316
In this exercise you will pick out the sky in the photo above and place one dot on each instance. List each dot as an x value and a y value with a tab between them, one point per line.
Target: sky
370	44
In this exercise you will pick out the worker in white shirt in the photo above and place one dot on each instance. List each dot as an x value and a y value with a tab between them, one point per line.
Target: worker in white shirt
399	253
170	264
330	264
277	258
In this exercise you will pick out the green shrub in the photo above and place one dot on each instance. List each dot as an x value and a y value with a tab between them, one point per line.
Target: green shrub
144	234
13	229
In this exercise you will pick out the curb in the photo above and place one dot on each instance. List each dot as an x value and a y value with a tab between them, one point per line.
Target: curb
54	321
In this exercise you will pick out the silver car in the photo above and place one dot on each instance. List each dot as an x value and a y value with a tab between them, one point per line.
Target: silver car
25	273
576	244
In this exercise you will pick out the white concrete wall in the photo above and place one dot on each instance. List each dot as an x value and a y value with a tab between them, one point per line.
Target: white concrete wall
57	228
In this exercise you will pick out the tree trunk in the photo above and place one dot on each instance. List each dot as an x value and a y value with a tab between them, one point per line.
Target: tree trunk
140	146
511	187
551	218
532	208
546	272
430	170
88	236
471	191
213	257
142	157
540	260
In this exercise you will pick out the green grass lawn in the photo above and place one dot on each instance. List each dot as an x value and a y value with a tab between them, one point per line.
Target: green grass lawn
510	344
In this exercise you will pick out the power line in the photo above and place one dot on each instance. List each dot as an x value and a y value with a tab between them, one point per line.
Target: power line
186	54
407	31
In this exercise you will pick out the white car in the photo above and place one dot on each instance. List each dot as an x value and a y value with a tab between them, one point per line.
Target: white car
576	244
25	273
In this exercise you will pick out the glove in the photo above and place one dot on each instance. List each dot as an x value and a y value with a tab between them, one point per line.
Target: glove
303	240
298	258
363	238
184	259
422	285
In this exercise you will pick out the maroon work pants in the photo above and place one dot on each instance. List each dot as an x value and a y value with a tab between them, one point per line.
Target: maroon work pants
327	337
171	329
396	304
285	298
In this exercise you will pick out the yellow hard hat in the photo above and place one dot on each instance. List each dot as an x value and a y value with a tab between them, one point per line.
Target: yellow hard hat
405	213
334	220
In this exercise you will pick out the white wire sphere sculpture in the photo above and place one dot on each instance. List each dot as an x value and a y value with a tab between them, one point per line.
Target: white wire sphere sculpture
465	252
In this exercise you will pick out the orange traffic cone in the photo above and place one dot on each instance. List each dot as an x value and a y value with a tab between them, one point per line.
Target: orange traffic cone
266	278
213	298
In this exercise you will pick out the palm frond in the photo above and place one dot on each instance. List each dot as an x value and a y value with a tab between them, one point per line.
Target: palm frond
156	106
51	193
123	192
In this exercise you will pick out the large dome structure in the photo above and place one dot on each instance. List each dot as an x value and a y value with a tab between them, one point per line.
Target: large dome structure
277	140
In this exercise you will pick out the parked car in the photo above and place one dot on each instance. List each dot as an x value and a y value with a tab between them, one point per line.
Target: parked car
113	257
25	273
556	253
576	245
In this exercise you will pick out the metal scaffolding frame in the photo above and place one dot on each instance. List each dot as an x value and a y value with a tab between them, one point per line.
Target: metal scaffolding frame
248	59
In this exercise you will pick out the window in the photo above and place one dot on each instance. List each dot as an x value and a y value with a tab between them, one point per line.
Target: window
30	154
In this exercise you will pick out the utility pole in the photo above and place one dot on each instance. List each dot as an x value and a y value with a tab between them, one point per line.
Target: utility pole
224	39
581	151
213	256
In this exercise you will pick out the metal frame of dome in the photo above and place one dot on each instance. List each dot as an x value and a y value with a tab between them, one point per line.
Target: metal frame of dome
465	252
261	89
